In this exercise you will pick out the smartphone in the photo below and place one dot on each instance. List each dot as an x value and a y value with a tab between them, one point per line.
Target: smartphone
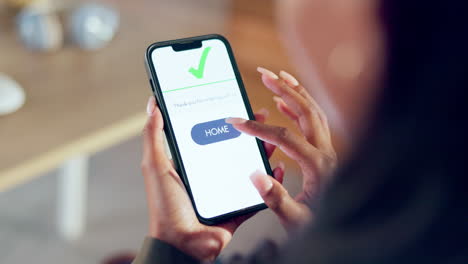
197	85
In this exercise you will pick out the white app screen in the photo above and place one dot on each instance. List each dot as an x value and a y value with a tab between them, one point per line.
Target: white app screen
200	90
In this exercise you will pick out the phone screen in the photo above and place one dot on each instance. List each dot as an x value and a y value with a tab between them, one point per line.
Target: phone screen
200	89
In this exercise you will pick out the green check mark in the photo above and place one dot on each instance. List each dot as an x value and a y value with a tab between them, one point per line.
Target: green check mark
198	73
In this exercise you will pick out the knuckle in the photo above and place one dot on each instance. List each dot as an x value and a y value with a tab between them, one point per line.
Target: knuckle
332	162
207	251
307	110
283	133
302	90
282	88
272	202
316	114
253	125
326	164
275	202
213	250
311	113
276	197
147	129
148	167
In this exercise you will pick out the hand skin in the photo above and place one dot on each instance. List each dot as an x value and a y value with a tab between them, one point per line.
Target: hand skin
171	215
312	150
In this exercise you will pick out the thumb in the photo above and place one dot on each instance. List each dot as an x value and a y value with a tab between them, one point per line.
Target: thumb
154	155
291	213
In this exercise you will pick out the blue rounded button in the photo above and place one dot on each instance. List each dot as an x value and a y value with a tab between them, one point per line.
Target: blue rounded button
213	131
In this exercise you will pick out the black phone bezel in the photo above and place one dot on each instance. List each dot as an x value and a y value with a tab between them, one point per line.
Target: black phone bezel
184	44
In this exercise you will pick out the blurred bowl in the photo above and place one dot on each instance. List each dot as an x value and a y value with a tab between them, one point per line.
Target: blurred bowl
12	95
92	26
39	30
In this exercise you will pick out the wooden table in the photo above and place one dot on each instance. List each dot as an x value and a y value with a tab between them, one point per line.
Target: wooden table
80	102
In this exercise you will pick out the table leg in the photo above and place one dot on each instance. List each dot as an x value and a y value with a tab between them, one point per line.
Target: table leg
72	191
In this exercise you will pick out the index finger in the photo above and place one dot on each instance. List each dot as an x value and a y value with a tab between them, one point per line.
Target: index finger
261	117
291	144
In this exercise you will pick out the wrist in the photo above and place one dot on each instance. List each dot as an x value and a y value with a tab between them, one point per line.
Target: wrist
168	235
200	245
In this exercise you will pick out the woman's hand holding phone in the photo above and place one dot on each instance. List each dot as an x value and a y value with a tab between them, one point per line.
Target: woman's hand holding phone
171	214
313	150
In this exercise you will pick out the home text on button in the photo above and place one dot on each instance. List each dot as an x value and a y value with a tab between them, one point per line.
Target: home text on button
213	131
216	131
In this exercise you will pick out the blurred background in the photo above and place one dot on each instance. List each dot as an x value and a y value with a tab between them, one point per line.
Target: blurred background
71	190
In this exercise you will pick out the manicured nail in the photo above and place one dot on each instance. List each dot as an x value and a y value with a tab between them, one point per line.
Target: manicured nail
235	120
264	112
288	78
281	165
267	73
262	182
277	99
151	105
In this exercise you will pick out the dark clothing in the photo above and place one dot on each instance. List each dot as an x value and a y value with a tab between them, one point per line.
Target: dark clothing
156	251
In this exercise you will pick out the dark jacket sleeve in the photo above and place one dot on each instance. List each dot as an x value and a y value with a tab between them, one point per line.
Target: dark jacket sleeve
155	251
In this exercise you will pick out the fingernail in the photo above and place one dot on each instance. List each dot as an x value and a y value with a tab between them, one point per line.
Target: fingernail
288	78
264	112
151	105
281	165
262	182
235	120
277	99
267	73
